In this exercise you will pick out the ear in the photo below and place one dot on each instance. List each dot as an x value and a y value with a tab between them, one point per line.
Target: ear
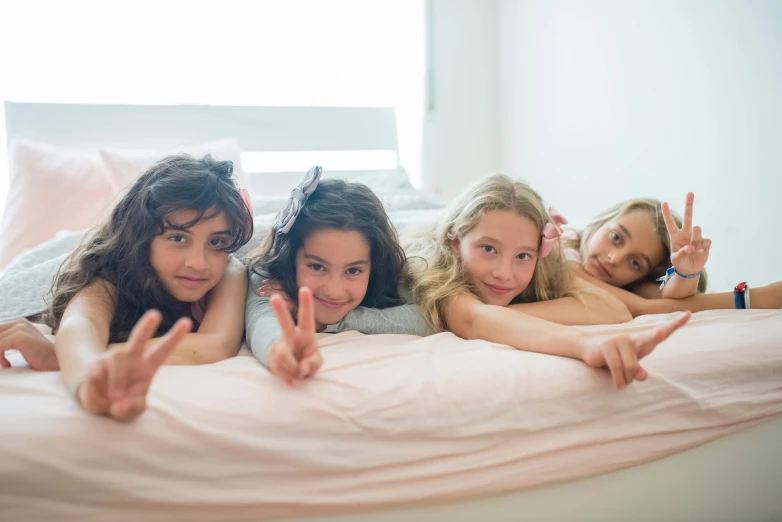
455	243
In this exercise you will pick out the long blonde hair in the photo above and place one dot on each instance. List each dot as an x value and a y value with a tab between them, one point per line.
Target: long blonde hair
653	208
436	272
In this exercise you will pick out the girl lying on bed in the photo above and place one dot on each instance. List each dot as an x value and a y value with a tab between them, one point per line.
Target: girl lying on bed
628	249
333	246
488	271
161	262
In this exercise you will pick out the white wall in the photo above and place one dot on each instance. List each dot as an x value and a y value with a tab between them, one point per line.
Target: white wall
605	100
460	131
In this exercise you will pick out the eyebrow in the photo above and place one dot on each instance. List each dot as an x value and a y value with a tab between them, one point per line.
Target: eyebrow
324	262
178	228
520	247
627	232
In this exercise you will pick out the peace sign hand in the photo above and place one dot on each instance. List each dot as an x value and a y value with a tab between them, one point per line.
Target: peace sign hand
296	354
689	250
117	383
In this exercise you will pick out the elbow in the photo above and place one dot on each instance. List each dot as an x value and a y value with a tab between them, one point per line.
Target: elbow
618	313
217	350
622	314
466	327
223	349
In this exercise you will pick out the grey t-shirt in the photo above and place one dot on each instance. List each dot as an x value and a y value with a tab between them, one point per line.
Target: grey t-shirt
262	329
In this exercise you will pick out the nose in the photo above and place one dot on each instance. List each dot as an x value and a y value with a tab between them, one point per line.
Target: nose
333	289
502	270
616	257
196	259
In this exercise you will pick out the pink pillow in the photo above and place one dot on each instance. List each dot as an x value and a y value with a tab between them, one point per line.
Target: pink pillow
51	189
126	165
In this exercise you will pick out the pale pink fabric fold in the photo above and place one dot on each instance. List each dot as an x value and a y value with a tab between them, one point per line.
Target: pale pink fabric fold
389	421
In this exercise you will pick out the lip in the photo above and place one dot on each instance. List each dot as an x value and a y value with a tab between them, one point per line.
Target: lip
191	282
498	290
602	269
333	305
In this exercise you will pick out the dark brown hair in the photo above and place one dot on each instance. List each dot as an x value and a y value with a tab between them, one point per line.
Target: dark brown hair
118	251
339	205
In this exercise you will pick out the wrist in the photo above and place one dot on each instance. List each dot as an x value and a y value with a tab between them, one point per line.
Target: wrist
673	271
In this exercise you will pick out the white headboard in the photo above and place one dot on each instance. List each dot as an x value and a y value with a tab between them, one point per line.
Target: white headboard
258	129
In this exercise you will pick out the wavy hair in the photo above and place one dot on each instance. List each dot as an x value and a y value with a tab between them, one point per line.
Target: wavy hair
439	275
118	251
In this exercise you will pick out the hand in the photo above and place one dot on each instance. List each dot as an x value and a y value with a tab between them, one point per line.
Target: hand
272	287
689	250
295	355
621	352
36	349
118	382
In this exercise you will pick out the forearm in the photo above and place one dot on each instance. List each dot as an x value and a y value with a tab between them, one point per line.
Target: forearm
475	320
592	306
404	320
197	348
79	342
261	327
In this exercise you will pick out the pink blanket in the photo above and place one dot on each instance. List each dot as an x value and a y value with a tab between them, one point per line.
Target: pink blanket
389	421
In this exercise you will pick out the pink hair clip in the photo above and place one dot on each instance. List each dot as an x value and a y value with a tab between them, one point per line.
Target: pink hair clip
551	232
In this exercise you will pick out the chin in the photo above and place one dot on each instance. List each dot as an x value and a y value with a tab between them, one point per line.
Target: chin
495	301
187	297
329	317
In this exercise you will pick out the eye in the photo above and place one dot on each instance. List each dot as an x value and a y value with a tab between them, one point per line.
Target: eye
488	249
615	237
217	242
316	267
177	238
637	265
524	256
354	271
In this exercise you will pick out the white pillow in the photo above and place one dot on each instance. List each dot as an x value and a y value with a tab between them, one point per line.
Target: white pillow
126	165
51	189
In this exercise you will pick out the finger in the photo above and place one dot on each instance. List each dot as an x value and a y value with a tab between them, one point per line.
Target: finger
117	364
128	408
647	341
144	330
706	246
641	374
93	392
688	202
304	368
310	365
670	224
697	237
306	310
680	255
4	327
629	361
284	318
614	364
162	349
9	341
286	364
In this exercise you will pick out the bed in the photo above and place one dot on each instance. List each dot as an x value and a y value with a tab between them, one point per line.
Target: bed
394	427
